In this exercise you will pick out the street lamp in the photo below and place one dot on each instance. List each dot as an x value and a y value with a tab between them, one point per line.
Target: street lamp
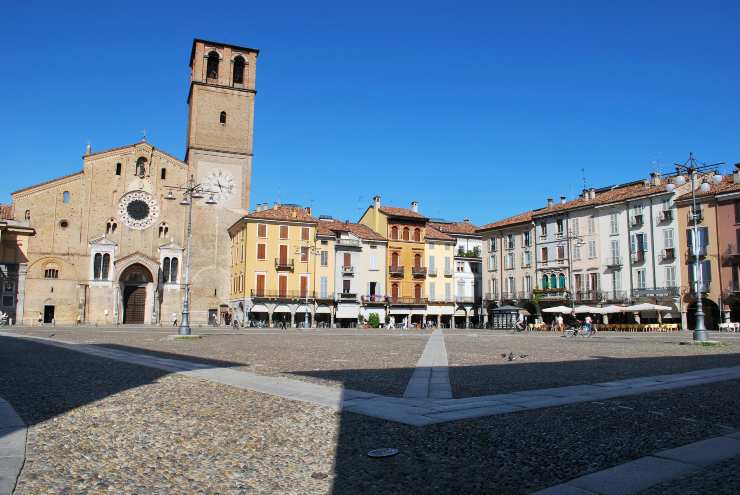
691	168
190	191
309	252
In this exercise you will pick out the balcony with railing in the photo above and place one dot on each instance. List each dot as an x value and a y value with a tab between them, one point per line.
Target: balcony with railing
550	294
373	299
668	254
587	296
469	253
281	294
656	292
614	262
614	296
284	264
448	272
395	271
638	256
491	296
704	286
419	271
665	216
348	270
346	296
348	242
732	252
407	301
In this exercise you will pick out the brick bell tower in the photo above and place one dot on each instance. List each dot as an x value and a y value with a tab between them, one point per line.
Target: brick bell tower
219	154
221	118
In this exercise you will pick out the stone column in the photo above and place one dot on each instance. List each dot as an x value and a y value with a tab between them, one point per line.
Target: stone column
684	318
452	318
155	307
116	295
292	318
269	318
331	318
21	292
439	321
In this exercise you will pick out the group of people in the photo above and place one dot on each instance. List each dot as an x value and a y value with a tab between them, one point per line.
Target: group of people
586	326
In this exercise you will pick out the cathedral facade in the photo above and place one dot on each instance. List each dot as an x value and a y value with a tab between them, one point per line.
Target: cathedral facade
111	243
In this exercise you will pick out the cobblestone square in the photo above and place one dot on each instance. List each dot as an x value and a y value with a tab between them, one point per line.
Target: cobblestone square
105	425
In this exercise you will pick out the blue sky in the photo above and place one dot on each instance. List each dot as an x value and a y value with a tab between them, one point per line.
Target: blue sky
478	109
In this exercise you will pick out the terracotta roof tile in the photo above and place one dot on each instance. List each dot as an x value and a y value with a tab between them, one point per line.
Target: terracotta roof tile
455	227
329	227
432	233
726	186
284	212
393	211
525	217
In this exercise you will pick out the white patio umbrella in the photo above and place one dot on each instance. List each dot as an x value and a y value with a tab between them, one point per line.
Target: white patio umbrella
558	309
613	308
588	309
647	307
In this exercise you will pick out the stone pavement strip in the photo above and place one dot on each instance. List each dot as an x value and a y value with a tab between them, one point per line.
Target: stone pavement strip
408	410
431	378
640	474
12	447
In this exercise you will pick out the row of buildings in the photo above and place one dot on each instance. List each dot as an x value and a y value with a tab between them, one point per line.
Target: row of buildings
106	245
289	266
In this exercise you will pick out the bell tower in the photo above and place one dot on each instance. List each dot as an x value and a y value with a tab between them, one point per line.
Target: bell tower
221	118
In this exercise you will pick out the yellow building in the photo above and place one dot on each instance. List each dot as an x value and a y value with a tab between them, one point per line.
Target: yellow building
281	269
405	229
14	235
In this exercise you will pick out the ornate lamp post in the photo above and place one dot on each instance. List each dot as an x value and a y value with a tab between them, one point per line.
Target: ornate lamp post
692	168
190	191
309	251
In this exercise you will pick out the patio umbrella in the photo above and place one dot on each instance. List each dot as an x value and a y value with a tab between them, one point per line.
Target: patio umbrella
613	308
588	309
558	309
647	307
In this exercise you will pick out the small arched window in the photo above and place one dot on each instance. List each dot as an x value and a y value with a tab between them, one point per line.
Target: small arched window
222	118
394	259
51	271
111	226
173	270
65	197
545	280
118	169
163	229
394	233
394	291
561	278
239	70
141	167
27	215
212	66
106	267
553	281
97	265
417	260
417	235
163	174
417	291
405	233
166	270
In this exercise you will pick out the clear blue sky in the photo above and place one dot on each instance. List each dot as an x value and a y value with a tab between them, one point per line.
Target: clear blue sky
477	109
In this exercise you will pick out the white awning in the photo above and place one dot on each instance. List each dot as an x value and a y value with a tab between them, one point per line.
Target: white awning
350	311
281	308
259	308
323	309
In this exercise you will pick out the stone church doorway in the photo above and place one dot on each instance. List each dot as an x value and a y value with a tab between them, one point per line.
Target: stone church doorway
134	282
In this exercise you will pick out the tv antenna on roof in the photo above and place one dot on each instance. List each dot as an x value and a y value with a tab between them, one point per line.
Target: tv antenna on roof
583	177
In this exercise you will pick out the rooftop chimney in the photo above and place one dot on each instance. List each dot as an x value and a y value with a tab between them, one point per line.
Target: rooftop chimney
88	149
655	178
592	193
736	174
466	220
376	202
274	205
562	200
308	210
414	206
549	202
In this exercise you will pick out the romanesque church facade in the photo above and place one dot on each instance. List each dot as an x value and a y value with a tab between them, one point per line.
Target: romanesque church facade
110	244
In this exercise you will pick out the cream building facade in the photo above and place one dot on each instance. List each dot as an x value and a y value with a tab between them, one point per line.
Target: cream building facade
109	248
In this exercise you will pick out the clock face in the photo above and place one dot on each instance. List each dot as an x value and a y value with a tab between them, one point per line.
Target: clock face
222	183
138	210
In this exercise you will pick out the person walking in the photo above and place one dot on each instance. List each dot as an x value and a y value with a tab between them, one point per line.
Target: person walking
561	323
588	323
174	319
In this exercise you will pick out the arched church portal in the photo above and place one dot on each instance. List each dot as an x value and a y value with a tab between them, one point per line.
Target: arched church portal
136	283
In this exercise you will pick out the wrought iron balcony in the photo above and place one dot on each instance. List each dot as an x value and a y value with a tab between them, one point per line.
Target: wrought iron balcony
395	271
668	254
282	264
549	294
407	301
281	294
345	296
587	295
657	292
348	242
373	299
614	262
348	269
419	271
614	296
732	252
